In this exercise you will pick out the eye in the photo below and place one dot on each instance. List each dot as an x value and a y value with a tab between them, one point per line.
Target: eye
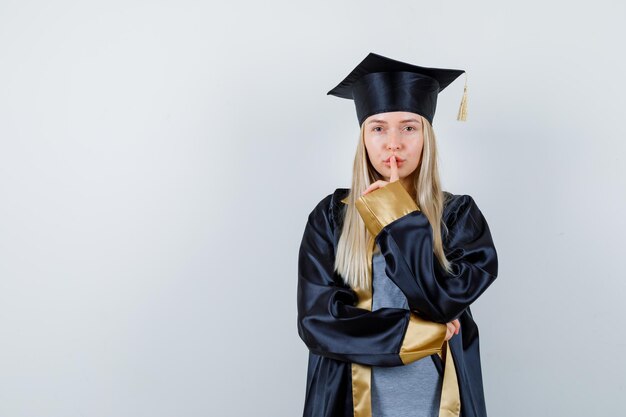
411	127
377	127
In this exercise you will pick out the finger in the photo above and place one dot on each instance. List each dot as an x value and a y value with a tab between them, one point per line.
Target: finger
374	186
450	330
457	326
394	169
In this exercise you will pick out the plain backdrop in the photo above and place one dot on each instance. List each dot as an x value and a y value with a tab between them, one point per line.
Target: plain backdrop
159	159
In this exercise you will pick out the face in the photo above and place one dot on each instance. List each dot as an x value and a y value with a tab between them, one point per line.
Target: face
395	133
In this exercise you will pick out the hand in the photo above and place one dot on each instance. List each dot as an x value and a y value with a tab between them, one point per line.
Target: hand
453	328
380	183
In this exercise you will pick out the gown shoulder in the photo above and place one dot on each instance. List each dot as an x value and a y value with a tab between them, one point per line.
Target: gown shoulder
339	196
332	205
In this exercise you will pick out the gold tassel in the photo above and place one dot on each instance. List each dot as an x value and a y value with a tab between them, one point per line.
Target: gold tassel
463	108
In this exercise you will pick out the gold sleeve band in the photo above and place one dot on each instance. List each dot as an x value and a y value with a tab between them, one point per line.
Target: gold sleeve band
382	206
422	338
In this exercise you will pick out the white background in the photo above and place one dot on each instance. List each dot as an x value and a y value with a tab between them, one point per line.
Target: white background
159	159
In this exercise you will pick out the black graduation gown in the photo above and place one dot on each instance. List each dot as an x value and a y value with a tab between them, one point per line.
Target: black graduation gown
345	340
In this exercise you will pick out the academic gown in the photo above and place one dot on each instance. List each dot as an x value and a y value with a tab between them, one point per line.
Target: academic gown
345	338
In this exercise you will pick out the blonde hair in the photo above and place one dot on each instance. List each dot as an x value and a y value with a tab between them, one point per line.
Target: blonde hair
351	261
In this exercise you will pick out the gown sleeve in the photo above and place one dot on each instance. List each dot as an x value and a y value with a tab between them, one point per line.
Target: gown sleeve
405	237
330	323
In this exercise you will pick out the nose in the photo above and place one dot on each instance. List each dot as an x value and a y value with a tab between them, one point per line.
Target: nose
394	142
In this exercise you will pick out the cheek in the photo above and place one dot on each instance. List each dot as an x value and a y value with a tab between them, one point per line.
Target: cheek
416	152
415	156
418	144
374	153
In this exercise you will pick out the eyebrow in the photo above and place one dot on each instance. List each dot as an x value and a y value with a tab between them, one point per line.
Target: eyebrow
384	122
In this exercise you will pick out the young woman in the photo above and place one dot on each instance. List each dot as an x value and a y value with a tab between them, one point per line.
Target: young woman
387	270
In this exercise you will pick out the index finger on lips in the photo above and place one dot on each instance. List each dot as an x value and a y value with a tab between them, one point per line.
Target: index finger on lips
394	169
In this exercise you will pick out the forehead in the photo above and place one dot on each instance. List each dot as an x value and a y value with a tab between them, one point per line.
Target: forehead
394	117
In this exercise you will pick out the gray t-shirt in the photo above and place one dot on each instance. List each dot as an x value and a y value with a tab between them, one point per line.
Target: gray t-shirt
412	390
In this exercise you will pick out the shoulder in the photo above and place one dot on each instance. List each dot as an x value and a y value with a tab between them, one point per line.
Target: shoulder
328	211
462	211
452	203
329	205
332	200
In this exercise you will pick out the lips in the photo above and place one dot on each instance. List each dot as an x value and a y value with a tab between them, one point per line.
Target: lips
388	160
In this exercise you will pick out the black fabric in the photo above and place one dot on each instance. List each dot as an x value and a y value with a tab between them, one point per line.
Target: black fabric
338	333
328	321
380	84
408	250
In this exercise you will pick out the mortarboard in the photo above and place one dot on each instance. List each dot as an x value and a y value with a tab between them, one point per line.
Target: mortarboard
380	84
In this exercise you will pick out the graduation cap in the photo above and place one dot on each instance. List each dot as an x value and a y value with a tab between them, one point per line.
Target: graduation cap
380	84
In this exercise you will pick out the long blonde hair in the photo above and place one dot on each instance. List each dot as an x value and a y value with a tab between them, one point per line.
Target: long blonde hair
351	261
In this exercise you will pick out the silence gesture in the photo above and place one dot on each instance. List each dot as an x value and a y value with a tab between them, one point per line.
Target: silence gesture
393	177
